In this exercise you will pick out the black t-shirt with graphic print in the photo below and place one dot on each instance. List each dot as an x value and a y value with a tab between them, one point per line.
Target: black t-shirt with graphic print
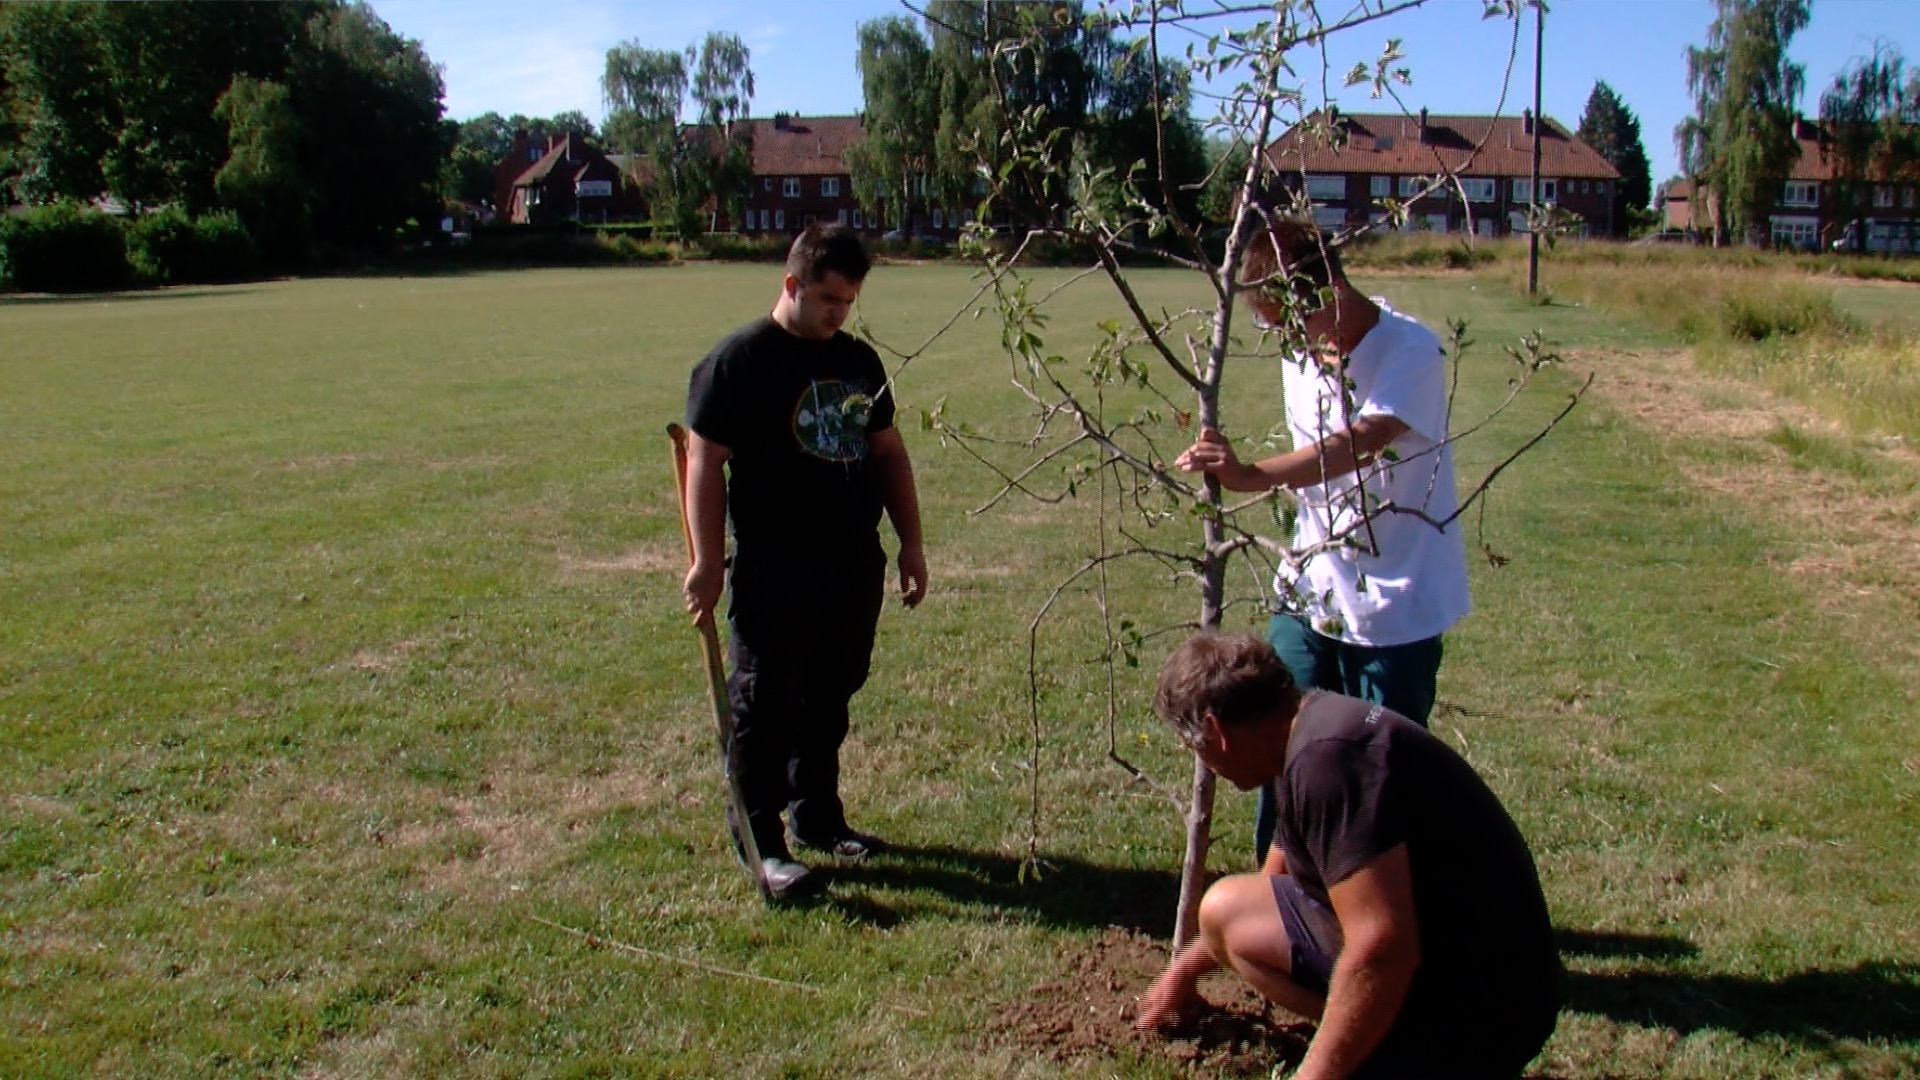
1360	779
796	415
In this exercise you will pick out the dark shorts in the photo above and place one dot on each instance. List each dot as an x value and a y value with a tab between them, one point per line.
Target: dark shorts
1415	1047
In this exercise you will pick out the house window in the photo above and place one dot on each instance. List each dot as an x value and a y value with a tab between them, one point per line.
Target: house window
1411	185
1795	231
1906	198
966	216
1483	226
843	215
1380	186
1477	188
830	187
939	220
1523	190
919	186
1329	218
1599	187
979	185
857	220
1517	222
1801	193
790	187
766	184
1332	188
779	219
1883	197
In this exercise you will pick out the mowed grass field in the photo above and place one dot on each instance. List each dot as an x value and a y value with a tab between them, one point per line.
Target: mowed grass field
343	688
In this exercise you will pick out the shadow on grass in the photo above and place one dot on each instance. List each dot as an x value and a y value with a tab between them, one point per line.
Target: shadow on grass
1877	1000
1611	944
1068	893
177	292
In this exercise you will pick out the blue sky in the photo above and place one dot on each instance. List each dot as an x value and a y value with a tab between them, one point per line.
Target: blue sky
544	58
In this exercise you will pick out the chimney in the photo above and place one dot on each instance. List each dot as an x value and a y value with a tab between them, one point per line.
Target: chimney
1423	123
1526	121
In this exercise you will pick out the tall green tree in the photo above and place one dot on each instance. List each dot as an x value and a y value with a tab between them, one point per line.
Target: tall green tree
262	180
890	164
690	166
1739	143
722	91
58	102
1613	131
1871	116
1141	130
368	102
1006	74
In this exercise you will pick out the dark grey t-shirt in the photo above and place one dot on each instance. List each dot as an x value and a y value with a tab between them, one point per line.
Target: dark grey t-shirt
1360	779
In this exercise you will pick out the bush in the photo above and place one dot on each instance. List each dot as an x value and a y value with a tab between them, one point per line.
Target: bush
64	247
169	248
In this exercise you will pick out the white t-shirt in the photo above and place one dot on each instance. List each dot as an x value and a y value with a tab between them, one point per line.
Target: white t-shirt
1416	586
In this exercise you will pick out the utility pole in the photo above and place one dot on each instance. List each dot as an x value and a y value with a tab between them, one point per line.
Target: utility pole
1539	121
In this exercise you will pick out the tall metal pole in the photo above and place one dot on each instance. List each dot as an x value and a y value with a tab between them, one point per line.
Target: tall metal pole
1539	121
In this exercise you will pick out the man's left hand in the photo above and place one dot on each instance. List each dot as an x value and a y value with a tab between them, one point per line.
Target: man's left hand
913	574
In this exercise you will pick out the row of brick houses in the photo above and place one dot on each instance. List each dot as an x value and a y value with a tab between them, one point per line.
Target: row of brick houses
1380	156
1808	215
800	176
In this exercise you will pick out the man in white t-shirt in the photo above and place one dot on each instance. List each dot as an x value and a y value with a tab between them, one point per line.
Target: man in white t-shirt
1366	400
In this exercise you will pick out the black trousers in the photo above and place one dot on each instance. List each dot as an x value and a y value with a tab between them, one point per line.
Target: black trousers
801	646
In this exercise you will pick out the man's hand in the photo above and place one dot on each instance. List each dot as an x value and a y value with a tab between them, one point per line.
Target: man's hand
913	574
1213	454
1172	997
701	591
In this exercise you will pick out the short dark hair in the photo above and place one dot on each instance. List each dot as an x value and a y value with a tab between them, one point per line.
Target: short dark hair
1236	677
1284	243
828	248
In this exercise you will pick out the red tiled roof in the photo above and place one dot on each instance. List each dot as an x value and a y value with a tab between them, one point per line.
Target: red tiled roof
1390	144
804	146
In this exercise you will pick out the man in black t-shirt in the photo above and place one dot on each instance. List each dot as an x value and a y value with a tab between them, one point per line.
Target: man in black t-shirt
793	439
1400	906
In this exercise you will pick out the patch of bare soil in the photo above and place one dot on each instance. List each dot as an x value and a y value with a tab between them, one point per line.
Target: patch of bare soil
1088	1014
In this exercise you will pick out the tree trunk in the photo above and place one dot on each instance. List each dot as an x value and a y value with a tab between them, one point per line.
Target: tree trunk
1193	868
1213	578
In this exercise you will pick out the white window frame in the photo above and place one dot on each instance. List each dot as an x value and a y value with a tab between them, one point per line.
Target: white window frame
1479	188
939	218
790	187
1379	187
843	215
1434	223
1327	187
1801	193
1795	230
780	219
1330	218
858	221
1409	186
1522	190
830	187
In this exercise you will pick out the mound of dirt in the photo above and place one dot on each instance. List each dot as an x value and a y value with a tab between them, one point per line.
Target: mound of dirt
1089	1012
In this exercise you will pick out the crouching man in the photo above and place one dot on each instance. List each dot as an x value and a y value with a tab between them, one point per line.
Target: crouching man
1399	905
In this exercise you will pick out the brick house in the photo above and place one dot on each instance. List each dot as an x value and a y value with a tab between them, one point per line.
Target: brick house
800	175
1384	155
1808	214
566	179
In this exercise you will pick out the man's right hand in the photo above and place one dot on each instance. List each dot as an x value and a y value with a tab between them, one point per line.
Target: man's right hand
1213	454
701	591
